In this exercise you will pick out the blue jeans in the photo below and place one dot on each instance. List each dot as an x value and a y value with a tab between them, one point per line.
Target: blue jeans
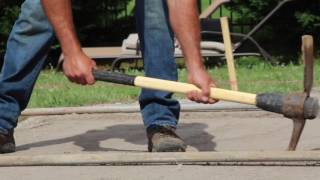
30	41
27	49
157	45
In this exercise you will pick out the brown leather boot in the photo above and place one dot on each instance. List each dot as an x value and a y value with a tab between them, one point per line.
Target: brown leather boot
7	143
164	139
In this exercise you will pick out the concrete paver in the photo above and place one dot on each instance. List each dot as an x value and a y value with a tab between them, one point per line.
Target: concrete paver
160	173
202	131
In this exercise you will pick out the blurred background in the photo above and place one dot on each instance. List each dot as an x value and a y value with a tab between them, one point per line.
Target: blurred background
108	22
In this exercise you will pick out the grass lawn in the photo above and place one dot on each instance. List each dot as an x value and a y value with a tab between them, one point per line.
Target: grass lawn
53	89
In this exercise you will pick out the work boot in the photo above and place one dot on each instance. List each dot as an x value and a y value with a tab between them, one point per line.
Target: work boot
7	143
164	139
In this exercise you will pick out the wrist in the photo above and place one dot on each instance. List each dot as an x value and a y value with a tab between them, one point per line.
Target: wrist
195	66
70	46
72	51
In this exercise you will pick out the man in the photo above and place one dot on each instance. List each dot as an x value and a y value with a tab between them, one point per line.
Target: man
30	40
161	113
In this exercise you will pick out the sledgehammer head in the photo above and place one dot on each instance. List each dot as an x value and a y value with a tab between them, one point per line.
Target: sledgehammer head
291	106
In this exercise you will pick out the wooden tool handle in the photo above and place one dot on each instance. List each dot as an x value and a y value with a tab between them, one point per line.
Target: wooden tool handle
229	53
178	87
272	102
172	86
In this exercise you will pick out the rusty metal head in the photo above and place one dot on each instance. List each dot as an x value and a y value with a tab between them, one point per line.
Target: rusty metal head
301	106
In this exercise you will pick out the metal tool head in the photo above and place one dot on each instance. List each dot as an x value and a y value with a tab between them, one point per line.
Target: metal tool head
304	99
308	57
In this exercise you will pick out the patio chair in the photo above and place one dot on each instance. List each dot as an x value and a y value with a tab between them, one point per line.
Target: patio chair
131	46
208	24
215	47
130	50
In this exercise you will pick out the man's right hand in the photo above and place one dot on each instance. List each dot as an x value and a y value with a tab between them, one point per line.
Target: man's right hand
200	77
78	68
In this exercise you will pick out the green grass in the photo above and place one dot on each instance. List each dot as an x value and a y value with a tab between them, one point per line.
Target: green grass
53	89
264	78
215	15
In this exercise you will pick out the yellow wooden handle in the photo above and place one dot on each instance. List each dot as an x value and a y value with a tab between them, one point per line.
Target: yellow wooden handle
178	87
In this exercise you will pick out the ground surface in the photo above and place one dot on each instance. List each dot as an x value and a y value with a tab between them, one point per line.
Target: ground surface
202	131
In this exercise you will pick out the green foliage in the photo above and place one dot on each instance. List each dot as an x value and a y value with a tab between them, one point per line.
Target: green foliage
308	20
98	22
282	33
250	10
9	16
9	12
305	13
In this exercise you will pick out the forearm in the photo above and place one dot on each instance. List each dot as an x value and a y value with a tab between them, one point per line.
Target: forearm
60	16
77	66
184	18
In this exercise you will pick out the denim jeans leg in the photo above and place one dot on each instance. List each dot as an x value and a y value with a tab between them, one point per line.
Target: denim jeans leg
157	44
27	48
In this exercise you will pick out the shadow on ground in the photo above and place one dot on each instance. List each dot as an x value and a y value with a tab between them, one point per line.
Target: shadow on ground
194	134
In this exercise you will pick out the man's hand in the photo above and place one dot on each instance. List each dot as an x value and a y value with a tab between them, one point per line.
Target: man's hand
200	78
78	68
186	26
